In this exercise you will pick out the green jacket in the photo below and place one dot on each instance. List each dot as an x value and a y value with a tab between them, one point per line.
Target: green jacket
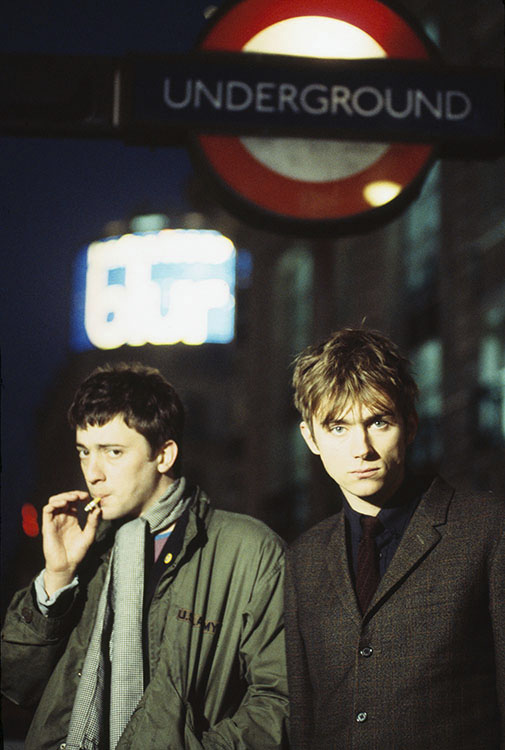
215	640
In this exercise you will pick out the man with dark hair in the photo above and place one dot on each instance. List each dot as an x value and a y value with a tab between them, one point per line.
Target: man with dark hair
395	606
157	621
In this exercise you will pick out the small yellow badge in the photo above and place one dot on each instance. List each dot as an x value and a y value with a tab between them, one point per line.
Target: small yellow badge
168	558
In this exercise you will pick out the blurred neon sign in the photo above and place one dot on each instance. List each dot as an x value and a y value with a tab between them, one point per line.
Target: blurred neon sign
164	287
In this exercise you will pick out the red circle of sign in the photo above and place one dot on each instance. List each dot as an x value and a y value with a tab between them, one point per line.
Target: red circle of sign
294	198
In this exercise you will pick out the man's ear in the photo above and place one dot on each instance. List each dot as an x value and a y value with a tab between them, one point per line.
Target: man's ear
309	438
167	456
412	423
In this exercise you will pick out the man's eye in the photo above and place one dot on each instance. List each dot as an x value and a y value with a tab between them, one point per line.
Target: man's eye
380	423
114	452
337	429
82	453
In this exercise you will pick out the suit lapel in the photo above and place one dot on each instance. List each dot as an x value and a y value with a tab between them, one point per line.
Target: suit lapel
420	538
338	566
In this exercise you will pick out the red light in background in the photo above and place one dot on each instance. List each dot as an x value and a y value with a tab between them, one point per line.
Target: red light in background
30	521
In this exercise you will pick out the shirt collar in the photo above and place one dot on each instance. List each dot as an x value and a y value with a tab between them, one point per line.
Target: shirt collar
397	514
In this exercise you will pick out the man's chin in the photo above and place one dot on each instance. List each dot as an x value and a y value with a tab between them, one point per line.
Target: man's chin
374	493
108	514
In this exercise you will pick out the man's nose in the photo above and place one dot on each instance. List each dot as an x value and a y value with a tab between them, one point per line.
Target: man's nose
93	469
360	442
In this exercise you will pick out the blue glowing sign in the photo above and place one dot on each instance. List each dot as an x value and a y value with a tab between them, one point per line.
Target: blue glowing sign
164	287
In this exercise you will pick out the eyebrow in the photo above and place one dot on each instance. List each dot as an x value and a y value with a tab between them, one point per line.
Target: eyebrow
372	418
102	445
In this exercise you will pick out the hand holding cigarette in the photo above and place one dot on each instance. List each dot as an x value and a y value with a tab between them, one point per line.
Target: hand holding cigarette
65	540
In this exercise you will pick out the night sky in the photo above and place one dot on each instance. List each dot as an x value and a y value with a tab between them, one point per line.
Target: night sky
57	195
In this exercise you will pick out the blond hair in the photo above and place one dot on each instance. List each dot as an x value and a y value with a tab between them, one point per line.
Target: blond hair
353	364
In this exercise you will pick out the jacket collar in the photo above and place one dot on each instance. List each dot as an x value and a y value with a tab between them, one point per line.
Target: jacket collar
421	536
195	533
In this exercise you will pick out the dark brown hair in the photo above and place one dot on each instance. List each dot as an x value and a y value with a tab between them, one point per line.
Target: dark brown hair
147	402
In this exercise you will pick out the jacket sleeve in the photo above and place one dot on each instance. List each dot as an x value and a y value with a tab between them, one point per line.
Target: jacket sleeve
300	688
497	609
31	647
260	723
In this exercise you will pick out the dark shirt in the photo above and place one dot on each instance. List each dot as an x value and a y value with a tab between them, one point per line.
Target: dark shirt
395	519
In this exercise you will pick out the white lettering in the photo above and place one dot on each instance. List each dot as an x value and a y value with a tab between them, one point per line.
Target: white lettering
394	112
320	100
263	93
287	94
340	95
316	99
367	91
450	98
435	109
232	104
189	304
170	102
215	99
154	298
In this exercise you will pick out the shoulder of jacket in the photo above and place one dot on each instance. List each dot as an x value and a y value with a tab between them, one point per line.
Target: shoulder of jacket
240	529
317	535
479	504
444	502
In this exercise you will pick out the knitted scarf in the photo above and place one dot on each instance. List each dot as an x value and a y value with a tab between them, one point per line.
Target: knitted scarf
112	681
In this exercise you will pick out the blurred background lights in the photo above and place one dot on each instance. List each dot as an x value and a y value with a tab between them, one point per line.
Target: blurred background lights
29	520
149	222
162	287
380	192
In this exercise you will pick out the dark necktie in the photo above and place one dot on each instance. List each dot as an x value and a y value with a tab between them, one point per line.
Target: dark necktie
367	573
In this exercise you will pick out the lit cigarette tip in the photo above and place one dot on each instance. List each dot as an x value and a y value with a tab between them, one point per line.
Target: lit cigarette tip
92	504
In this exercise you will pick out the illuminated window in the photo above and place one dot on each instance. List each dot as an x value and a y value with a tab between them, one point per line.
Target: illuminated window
427	365
491	402
422	223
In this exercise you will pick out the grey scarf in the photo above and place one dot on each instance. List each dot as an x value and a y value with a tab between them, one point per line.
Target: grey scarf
114	656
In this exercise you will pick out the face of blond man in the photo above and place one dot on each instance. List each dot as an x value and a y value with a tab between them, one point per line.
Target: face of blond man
363	450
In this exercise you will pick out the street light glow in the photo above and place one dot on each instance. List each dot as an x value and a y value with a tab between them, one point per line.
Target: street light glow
381	192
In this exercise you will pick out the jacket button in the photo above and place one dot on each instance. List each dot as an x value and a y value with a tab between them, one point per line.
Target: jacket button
63	746
366	651
361	717
27	614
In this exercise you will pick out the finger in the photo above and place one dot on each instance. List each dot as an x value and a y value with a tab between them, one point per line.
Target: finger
64	500
56	518
50	512
67	497
92	521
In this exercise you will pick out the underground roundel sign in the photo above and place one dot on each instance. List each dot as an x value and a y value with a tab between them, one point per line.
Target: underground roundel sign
304	180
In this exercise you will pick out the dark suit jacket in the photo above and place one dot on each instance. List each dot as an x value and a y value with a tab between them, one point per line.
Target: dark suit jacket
424	669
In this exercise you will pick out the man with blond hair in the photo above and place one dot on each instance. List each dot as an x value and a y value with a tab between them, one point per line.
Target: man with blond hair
395	606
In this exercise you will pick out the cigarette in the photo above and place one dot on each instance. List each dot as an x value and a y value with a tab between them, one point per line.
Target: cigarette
92	504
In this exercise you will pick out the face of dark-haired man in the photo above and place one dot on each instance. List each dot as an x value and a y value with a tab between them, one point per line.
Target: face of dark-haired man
363	449
120	468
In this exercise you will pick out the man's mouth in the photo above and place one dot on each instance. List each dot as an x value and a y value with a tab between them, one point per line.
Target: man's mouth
364	472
